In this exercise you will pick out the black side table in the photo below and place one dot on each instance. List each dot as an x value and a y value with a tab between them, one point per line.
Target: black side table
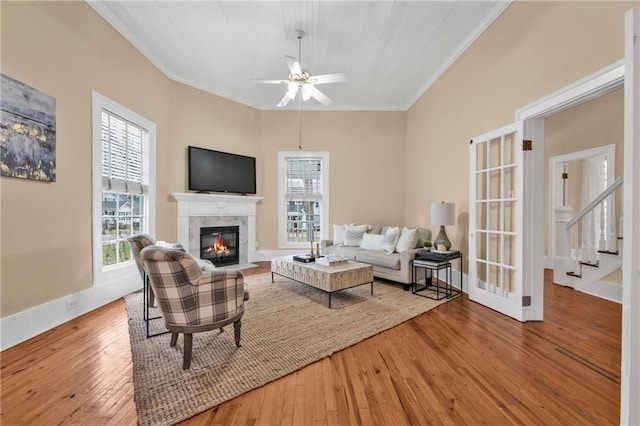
432	263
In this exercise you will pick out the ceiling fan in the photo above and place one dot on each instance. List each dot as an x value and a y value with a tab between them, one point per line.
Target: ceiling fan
301	80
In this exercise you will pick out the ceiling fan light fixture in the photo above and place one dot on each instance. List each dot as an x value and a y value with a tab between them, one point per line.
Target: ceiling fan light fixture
302	80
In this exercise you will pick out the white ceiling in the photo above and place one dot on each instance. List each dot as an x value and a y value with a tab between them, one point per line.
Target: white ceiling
392	51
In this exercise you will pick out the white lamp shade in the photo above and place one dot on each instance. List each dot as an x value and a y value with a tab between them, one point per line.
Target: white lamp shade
443	213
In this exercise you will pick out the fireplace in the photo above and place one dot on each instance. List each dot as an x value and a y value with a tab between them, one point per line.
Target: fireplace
220	244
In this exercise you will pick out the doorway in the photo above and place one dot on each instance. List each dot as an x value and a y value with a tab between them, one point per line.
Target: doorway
567	176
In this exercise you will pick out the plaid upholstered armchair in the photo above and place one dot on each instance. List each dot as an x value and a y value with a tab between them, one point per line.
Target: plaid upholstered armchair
192	300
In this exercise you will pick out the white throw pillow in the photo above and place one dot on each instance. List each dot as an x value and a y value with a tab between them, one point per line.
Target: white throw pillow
339	233
372	241
408	239
391	239
354	235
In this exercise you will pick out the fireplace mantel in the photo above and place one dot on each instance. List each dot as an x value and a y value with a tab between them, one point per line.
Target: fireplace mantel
192	205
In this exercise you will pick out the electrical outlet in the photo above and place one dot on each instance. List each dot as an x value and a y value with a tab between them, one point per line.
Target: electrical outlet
72	304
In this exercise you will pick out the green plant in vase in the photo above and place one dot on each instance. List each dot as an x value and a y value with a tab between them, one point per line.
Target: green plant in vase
427	245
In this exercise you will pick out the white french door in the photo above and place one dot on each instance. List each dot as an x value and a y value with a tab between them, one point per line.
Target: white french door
496	220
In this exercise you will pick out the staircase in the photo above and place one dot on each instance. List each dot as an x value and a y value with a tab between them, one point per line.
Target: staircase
587	246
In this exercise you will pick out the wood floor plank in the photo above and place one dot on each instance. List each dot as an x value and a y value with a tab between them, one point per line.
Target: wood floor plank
460	363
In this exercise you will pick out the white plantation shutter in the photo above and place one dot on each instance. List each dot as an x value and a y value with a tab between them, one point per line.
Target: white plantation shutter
304	179
125	156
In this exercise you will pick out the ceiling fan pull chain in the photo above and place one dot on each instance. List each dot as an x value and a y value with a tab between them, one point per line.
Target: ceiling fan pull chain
299	121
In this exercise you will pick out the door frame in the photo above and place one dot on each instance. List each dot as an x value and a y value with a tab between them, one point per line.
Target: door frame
533	116
630	368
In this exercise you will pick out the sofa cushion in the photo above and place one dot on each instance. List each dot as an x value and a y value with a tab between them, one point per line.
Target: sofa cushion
339	232
391	239
354	235
372	241
408	240
379	258
377	230
348	252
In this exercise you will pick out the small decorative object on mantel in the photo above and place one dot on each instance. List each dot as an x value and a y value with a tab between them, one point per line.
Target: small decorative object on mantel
27	132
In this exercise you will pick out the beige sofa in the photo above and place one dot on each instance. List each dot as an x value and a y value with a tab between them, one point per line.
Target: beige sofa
394	266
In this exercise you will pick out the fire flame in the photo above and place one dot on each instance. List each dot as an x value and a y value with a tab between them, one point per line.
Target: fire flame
218	248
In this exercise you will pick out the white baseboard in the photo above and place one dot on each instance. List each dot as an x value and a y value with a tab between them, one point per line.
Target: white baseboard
604	290
548	262
456	281
29	323
22	326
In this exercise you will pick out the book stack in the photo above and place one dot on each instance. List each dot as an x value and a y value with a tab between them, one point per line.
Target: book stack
437	255
305	258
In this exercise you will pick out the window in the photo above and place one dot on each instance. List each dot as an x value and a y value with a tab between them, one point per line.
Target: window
303	198
123	182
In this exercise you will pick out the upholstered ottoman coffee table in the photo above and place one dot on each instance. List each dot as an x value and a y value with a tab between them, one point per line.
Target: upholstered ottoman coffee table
326	278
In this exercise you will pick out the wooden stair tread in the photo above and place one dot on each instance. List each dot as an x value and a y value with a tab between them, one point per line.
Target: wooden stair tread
573	274
595	265
615	253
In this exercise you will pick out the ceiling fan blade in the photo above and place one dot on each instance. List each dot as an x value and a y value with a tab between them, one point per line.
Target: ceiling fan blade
320	97
294	66
285	100
270	81
336	77
307	90
291	94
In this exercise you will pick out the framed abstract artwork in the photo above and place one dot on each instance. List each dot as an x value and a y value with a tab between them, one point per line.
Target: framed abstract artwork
27	132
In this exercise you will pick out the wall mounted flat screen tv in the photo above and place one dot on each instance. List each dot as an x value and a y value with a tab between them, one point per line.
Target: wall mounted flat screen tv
216	171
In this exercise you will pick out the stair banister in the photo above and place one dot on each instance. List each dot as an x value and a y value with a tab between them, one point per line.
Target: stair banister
582	213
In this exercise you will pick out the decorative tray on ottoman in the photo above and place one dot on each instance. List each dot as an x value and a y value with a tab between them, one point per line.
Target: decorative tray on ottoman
331	260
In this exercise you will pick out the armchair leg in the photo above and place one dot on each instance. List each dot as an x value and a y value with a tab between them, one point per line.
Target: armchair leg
188	342
236	330
174	339
152	298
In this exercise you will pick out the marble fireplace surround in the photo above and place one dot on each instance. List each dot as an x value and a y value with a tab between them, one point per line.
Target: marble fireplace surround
204	210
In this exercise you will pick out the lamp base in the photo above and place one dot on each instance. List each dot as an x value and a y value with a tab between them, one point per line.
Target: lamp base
442	239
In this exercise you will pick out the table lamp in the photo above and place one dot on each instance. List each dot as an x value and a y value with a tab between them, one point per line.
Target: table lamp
443	214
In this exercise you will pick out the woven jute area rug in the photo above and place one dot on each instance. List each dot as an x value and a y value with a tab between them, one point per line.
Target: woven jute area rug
286	326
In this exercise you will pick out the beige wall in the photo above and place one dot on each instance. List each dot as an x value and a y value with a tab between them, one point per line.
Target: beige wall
531	50
366	157
65	50
47	228
204	120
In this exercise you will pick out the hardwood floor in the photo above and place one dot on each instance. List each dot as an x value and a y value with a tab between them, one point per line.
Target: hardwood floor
460	363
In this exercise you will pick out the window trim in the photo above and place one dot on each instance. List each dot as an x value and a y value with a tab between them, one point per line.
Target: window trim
99	102
282	185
